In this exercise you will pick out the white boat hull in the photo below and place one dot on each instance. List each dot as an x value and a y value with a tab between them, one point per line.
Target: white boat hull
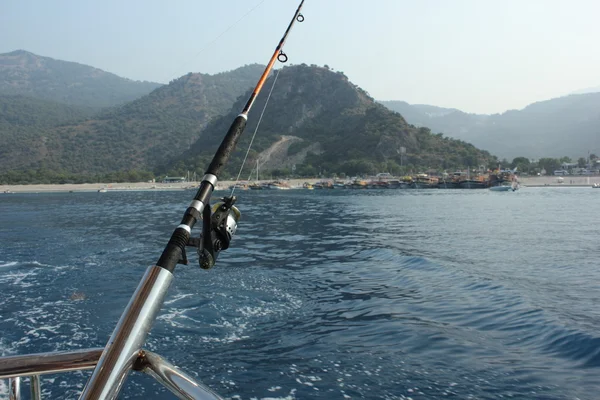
502	189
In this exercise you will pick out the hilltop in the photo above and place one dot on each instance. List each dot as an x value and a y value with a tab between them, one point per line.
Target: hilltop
337	124
28	74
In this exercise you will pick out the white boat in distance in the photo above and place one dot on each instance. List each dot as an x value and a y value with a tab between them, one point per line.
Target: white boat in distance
505	187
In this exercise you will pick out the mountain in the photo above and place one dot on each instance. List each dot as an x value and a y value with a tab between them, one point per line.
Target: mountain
316	120
450	121
565	126
138	135
25	73
334	126
587	90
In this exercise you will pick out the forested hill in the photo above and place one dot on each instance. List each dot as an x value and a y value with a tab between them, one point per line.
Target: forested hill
138	135
337	128
28	74
23	121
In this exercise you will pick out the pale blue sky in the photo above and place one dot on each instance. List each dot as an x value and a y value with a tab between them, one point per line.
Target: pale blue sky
476	55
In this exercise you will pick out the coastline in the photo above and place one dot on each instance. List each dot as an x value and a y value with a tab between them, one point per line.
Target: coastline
125	186
534	181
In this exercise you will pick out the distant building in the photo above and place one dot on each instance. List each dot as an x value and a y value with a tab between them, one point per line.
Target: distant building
174	179
567	166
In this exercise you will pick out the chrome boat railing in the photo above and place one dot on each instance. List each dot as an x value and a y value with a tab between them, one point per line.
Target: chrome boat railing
32	366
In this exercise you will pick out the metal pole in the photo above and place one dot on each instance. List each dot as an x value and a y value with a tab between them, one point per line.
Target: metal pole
178	382
36	391
14	388
130	334
48	363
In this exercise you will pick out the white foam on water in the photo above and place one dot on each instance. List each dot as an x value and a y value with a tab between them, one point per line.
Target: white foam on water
177	317
39	264
3	390
290	396
229	338
39	330
178	297
6	348
8	264
18	278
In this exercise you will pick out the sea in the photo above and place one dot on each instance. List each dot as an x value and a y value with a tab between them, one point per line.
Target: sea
336	294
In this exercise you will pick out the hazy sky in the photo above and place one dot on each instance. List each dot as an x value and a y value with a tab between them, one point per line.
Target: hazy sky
476	55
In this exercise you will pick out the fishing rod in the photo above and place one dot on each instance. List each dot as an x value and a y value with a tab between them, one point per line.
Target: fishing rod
219	223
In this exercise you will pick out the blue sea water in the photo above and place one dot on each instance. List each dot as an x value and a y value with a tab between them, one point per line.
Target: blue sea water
393	294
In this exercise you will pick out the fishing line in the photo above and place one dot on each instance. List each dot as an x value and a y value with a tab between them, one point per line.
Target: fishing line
254	134
215	39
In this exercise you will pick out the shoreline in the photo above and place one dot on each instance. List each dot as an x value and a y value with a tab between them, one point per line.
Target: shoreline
126	186
536	181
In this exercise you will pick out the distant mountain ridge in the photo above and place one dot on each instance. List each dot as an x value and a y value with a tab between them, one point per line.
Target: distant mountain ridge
564	126
587	90
28	74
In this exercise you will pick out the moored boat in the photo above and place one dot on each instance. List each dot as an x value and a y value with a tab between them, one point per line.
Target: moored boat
359	184
502	188
277	185
473	184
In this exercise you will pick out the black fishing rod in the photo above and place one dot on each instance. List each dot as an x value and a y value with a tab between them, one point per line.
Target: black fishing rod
218	227
174	252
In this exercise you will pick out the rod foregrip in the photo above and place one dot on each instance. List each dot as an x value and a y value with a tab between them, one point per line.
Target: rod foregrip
227	145
174	250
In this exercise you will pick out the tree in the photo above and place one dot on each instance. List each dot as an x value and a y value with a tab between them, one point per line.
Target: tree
549	164
565	159
520	161
582	162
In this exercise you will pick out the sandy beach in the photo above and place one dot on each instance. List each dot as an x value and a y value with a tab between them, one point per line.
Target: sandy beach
537	181
94	187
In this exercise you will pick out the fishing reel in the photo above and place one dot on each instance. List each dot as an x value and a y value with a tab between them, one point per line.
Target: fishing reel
219	224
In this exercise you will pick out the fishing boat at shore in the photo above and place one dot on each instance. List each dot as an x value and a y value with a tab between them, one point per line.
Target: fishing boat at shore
473	184
277	185
339	185
239	186
422	181
359	184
